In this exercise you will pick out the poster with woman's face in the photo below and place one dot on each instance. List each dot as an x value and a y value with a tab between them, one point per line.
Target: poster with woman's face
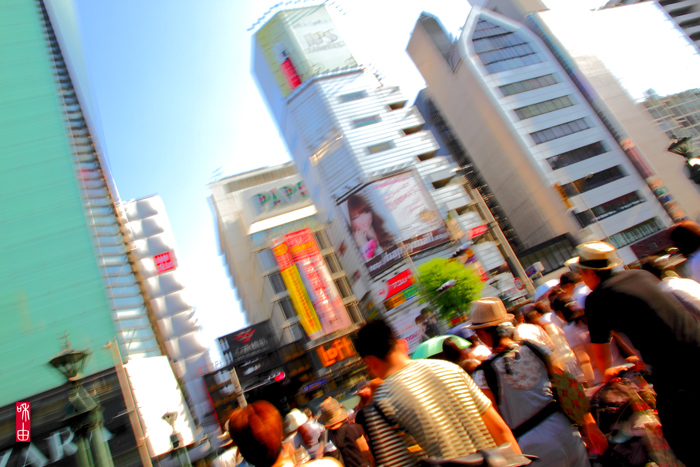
389	213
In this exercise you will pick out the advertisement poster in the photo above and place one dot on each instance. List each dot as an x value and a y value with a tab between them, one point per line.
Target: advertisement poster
297	292
301	43
405	327
392	214
318	282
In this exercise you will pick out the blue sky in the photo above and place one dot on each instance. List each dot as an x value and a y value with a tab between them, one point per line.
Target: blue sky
177	103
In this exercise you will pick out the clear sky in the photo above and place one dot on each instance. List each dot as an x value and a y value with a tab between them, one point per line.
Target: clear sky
178	104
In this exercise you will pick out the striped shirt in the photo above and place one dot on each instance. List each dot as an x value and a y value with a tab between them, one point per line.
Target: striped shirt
438	404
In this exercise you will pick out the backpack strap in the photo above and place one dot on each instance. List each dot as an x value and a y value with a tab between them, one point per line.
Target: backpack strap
491	378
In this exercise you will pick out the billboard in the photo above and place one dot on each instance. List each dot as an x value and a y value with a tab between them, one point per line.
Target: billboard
247	343
298	44
389	214
316	281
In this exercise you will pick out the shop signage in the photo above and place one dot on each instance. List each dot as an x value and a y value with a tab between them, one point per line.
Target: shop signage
313	386
164	261
478	231
401	297
275	198
400	282
336	351
247	343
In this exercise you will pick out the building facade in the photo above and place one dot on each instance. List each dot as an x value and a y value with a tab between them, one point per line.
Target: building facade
362	152
558	173
289	280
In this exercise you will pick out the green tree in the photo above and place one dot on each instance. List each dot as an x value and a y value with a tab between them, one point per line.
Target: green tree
455	300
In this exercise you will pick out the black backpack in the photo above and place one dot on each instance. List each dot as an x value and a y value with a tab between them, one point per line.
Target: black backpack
352	456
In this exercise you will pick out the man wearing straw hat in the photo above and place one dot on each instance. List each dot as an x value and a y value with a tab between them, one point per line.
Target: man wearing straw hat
666	335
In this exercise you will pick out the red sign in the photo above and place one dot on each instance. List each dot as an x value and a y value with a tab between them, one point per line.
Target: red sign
478	231
518	283
399	282
164	261
290	73
23	420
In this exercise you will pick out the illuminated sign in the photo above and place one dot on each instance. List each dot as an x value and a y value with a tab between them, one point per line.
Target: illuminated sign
401	298
336	351
478	231
313	386
164	261
274	198
401	281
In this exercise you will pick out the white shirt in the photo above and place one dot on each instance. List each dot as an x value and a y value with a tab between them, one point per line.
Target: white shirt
687	291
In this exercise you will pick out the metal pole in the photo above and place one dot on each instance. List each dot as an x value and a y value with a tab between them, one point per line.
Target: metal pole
238	390
129	401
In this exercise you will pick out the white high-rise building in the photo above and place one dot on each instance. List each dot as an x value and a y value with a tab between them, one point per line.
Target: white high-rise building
361	150
545	153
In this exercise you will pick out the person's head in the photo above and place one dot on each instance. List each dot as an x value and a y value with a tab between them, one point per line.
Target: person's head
686	236
309	414
452	352
333	413
376	343
595	262
257	431
569	280
565	307
491	321
293	421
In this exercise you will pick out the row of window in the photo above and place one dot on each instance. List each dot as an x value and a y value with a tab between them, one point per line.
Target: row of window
497	42
487	29
609	208
636	233
540	108
352	96
559	131
513	63
360	122
528	85
506	53
567	158
385	146
595	180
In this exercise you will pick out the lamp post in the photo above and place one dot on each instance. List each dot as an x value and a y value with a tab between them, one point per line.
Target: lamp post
684	147
84	412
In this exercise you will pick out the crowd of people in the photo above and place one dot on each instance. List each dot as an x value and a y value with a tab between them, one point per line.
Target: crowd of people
525	382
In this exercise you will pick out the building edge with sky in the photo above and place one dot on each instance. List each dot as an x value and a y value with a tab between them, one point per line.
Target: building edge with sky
70	280
534	137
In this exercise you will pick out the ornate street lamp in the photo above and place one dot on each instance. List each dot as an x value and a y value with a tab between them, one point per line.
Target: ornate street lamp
84	412
684	147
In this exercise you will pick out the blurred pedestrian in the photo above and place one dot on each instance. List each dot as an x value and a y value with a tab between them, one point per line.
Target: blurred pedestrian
533	332
666	335
687	291
434	401
348	438
516	379
686	236
460	357
572	284
257	431
311	432
292	421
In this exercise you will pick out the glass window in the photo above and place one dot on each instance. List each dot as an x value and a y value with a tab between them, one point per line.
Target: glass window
332	262
500	49
353	96
576	155
287	308
595	180
614	206
559	131
385	146
322	240
343	287
267	259
277	282
636	233
360	122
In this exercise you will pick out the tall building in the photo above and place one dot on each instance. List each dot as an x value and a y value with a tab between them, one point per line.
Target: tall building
68	280
678	114
371	169
543	150
291	285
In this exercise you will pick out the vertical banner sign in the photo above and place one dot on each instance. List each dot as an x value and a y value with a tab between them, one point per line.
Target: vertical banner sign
297	293
23	422
318	281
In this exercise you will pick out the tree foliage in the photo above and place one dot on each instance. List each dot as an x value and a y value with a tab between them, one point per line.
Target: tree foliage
455	300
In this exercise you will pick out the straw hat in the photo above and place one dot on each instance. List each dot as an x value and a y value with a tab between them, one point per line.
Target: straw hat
595	255
332	412
293	421
488	312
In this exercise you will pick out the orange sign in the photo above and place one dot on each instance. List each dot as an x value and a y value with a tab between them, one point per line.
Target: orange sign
336	351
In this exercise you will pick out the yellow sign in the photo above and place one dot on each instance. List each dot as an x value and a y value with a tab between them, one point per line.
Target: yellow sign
297	292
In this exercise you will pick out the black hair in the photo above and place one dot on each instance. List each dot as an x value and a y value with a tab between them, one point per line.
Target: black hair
570	277
686	236
376	339
450	350
603	274
653	265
